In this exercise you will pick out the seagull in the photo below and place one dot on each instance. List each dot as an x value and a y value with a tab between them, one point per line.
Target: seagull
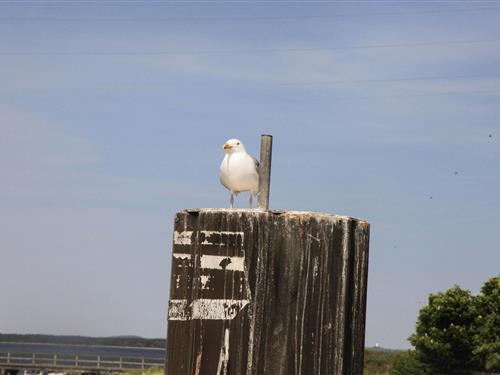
239	171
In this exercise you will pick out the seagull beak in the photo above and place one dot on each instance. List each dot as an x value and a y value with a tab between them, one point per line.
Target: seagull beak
226	146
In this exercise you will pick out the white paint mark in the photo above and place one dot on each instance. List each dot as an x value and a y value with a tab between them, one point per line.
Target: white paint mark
181	255
178	308
221	262
221	358
315	267
184	237
226	350
204	280
208	309
249	295
217	309
224	355
177	281
222	234
217	262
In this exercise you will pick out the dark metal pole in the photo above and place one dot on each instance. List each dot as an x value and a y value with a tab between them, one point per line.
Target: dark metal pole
266	151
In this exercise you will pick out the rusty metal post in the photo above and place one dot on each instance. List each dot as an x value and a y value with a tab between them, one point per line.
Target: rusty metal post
267	293
266	151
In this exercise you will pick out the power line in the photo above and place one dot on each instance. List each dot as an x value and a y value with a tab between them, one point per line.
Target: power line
242	51
388	80
399	96
271	84
296	2
238	18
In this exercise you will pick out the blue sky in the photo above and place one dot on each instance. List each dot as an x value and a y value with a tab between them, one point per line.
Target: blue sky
112	117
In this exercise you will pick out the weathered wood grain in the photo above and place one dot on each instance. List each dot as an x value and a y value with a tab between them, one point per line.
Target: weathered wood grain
267	293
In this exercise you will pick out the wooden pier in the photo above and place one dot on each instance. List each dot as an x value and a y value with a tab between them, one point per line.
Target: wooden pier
74	363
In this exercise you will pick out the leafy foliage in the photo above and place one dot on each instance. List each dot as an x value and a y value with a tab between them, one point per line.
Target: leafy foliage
445	330
487	337
458	332
406	363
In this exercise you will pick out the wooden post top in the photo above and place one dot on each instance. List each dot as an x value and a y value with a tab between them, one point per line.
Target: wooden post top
258	212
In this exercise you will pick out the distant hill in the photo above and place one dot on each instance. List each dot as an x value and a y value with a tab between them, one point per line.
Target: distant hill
134	341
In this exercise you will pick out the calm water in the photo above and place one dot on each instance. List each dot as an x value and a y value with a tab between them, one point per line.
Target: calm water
83	350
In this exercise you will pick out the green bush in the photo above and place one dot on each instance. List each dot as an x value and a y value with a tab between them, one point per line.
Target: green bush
487	327
148	371
459	332
406	363
378	362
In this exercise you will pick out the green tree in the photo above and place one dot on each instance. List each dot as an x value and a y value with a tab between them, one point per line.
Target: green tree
445	331
407	363
487	336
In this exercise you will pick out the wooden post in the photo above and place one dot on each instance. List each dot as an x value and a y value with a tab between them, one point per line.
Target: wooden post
8	358
98	361
76	361
266	151
55	360
33	359
142	364
267	293
121	363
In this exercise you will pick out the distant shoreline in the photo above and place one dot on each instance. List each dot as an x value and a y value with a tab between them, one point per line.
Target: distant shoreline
110	342
86	345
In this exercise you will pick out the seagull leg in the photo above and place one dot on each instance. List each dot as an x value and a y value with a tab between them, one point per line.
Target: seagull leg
231	200
251	199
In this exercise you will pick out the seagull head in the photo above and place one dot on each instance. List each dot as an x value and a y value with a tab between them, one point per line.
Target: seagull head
233	145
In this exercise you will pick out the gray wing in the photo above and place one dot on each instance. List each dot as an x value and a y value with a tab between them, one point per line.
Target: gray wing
257	164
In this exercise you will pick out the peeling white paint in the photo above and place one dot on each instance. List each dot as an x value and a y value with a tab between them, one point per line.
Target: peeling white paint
184	237
177	309
204	280
208	309
208	233
226	349
224	355
177	281
181	255
217	262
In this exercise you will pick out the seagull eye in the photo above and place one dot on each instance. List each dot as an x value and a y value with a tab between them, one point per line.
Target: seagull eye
238	143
